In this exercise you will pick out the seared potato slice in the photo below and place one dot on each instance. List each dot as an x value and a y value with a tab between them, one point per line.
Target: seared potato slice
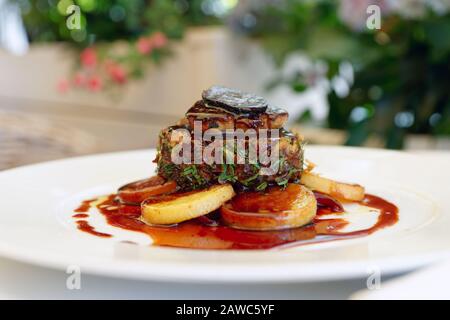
345	191
175	209
275	209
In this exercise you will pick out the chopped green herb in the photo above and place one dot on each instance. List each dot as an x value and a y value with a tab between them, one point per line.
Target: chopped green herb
247	181
227	173
262	186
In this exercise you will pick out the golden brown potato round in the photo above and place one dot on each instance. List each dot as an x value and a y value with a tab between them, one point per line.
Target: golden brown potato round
275	209
177	208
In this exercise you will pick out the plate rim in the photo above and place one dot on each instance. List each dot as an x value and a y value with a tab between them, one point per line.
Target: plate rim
159	272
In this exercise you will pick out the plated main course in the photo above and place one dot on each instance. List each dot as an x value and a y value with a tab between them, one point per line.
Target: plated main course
230	176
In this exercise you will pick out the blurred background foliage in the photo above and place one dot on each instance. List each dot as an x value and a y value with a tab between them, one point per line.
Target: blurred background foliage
388	82
111	20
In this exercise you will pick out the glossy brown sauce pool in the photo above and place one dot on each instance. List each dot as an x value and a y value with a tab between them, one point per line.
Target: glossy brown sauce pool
208	232
388	214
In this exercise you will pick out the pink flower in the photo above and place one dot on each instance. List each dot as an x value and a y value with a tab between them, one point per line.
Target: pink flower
79	80
159	40
117	73
95	83
63	86
88	57
144	45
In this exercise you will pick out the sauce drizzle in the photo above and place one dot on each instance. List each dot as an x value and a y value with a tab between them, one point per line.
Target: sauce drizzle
83	225
208	232
85	206
80	215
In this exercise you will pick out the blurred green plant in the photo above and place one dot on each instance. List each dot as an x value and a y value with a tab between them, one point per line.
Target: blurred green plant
388	82
116	38
111	20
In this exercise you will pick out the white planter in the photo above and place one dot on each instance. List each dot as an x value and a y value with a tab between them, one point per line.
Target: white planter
168	89
206	56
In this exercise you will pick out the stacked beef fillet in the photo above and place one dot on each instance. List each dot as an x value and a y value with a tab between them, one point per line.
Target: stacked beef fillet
222	108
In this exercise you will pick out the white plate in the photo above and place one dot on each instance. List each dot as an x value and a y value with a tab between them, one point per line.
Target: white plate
37	203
